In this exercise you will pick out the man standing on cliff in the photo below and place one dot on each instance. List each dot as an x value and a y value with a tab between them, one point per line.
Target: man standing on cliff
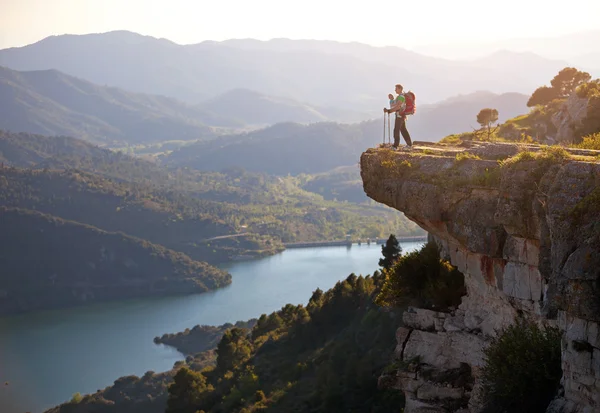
400	123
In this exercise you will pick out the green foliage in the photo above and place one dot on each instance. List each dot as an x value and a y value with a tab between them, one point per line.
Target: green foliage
463	156
590	142
50	262
457	139
76	399
562	85
542	96
393	165
186	391
200	338
422	279
117	193
326	356
391	251
591	123
522	369
233	349
588	206
547	156
588	89
567	80
486	117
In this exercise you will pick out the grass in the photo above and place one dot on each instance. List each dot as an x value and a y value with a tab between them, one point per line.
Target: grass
590	204
552	154
589	142
463	156
392	164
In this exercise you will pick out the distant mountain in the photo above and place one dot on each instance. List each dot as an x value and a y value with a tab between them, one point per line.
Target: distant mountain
48	262
252	107
50	102
345	75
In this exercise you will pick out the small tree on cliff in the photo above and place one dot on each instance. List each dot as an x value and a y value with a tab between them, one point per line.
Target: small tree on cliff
391	251
486	117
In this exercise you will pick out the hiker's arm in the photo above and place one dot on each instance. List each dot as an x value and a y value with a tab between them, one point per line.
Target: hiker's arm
396	107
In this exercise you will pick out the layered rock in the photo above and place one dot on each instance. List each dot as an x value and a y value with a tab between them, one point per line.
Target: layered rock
570	115
526	236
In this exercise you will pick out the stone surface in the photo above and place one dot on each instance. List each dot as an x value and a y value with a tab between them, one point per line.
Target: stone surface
571	113
525	235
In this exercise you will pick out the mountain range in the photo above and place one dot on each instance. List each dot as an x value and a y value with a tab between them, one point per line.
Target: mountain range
53	103
330	74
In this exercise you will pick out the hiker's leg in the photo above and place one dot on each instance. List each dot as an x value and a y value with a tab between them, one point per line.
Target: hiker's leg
397	127
405	133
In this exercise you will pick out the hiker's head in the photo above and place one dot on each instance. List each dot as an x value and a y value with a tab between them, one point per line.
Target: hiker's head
399	88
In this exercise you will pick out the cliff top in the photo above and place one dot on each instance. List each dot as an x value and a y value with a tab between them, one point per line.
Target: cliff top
491	198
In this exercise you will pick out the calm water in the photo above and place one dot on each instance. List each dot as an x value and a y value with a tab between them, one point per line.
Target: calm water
47	357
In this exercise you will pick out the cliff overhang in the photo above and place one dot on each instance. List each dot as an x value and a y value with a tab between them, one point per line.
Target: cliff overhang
522	222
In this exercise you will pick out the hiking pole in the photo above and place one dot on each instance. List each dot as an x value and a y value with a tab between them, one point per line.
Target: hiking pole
389	134
384	128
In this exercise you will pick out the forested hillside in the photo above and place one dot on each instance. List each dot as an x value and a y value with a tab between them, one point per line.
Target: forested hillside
48	262
286	148
180	207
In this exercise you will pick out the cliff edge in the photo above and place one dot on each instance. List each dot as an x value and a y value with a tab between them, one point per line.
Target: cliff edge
522	223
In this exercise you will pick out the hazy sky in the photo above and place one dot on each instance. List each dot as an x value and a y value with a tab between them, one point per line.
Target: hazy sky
376	22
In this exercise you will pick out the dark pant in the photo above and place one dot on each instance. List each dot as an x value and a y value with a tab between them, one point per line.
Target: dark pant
400	127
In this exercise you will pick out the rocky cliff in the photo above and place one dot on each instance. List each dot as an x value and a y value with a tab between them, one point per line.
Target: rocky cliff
569	116
522	223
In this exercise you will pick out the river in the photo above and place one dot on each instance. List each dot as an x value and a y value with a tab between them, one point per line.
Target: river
46	357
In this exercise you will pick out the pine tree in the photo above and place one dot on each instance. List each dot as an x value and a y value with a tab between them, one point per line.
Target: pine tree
391	251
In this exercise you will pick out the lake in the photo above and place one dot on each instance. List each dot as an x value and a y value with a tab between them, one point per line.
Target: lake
46	357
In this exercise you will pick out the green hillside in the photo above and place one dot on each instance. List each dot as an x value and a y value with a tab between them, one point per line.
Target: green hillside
48	262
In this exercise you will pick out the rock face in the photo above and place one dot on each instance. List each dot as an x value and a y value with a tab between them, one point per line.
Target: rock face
571	113
526	235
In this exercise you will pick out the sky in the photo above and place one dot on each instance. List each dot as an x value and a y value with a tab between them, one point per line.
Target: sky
402	23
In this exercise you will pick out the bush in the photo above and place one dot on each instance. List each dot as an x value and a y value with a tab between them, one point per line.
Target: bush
590	142
522	369
422	279
77	398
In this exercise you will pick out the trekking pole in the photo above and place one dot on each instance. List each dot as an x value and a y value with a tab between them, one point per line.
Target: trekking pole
389	134
383	128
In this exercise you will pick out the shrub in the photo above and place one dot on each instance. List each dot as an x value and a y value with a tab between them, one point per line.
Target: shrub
77	398
590	142
522	369
422	279
463	156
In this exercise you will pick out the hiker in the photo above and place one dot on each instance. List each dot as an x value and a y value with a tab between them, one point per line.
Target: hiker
398	107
